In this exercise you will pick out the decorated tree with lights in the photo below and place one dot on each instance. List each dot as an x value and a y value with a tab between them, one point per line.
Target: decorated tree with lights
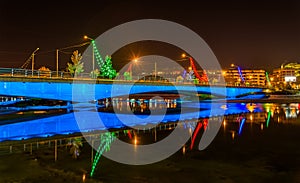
107	70
127	76
95	73
76	66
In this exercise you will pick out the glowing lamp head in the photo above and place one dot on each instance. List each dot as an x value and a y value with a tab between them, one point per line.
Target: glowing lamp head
86	37
183	55
232	65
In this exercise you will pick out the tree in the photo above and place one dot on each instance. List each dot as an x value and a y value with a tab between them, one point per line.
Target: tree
43	68
95	73
76	66
127	76
107	70
44	71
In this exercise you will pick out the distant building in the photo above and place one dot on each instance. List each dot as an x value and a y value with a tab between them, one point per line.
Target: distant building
248	77
288	75
284	75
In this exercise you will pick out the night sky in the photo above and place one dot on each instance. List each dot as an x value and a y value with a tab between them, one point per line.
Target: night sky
252	34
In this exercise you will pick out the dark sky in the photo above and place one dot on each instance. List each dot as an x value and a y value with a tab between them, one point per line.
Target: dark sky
252	34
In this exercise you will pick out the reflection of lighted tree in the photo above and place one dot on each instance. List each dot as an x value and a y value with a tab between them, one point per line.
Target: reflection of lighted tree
75	149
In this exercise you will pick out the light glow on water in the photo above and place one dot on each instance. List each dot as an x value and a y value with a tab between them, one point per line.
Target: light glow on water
66	124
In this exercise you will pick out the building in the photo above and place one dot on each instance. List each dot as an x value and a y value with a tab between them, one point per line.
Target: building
288	75
248	77
284	75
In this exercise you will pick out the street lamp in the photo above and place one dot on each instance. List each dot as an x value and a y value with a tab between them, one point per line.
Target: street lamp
93	58
65	48
192	66
135	60
32	60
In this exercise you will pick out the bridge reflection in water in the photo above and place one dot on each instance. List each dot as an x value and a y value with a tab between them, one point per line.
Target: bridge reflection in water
66	123
239	118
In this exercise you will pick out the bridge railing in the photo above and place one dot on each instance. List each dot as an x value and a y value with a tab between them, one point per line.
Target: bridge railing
16	72
28	73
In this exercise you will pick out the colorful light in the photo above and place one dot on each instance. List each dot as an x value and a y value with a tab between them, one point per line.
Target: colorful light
129	134
268	79
107	69
106	140
241	125
199	125
268	119
240	73
98	57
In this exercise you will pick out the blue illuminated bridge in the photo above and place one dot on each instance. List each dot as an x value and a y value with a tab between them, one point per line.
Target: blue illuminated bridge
85	90
81	92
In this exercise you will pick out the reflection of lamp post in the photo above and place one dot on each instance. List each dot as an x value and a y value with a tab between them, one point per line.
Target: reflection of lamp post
93	58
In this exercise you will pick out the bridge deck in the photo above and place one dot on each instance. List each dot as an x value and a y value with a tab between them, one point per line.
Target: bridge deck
84	90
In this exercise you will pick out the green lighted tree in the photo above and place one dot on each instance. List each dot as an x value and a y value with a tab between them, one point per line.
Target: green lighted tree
107	70
127	76
76	66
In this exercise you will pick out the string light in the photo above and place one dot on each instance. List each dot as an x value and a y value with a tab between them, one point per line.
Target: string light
106	140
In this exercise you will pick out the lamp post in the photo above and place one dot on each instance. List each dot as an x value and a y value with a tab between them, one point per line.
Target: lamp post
240	74
192	65
135	60
65	48
93	58
155	70
32	60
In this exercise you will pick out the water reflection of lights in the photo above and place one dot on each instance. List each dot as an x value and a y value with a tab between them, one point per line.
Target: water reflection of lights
242	125
232	134
251	107
198	127
274	112
268	119
224	107
291	110
183	150
135	142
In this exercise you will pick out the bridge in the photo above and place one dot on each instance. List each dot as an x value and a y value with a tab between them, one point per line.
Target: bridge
85	90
